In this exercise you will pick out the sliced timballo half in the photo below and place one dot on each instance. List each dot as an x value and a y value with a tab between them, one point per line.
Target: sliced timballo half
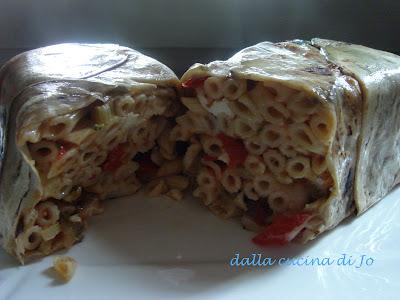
293	136
80	123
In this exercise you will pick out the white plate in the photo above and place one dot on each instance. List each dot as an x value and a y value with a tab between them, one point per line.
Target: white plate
160	249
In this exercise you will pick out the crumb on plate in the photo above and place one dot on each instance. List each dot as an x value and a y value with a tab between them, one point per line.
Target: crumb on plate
65	267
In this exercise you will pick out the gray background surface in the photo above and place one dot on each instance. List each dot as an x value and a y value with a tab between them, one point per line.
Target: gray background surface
180	32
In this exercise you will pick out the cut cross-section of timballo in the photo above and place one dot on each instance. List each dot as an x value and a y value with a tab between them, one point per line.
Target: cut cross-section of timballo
269	142
97	150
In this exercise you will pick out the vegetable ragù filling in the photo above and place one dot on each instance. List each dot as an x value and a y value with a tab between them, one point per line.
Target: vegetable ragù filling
268	144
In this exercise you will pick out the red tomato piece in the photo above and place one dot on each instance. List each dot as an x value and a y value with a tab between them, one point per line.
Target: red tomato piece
194	82
278	232
209	158
235	148
61	152
114	159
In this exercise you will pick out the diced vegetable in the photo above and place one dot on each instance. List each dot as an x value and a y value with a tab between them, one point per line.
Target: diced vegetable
61	152
235	148
209	158
194	82
147	168
282	229
114	159
98	127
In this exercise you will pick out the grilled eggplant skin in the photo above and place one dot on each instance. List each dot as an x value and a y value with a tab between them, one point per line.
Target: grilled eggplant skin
378	156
